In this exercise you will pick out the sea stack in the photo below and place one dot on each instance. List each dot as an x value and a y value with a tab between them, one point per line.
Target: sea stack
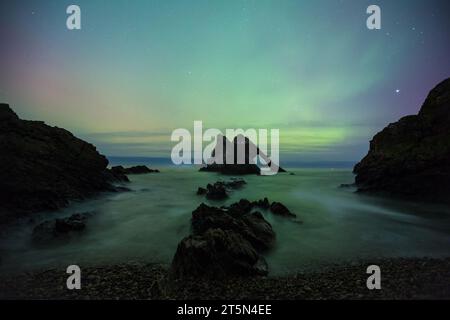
44	167
225	149
411	158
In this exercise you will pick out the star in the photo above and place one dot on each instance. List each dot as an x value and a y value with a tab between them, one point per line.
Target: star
397	91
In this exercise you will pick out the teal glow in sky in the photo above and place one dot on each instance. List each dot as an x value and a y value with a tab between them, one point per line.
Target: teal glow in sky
139	69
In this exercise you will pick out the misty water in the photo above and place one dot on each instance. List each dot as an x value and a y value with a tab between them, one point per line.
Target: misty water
334	224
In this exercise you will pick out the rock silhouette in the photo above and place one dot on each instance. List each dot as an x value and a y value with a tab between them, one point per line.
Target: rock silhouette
58	229
44	167
411	158
224	241
120	170
227	162
219	190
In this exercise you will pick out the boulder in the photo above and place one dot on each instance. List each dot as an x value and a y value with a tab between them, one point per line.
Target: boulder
216	191
411	158
224	242
280	209
44	167
264	203
49	231
217	254
219	190
250	225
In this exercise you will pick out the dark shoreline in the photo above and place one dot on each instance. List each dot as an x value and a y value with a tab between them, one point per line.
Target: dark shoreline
401	278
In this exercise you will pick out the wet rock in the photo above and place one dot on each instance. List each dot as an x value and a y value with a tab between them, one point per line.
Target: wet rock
76	222
216	191
264	204
225	241
251	225
217	253
48	231
219	190
280	209
116	174
238	209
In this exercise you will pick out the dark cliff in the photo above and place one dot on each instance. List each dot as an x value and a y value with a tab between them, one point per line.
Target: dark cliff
43	167
412	156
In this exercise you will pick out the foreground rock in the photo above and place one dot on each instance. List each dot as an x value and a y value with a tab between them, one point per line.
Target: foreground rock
412	156
217	253
225	241
227	149
133	170
238	218
220	189
44	167
58	229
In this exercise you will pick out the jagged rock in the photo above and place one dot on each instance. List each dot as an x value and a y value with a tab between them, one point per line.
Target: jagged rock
44	167
238	209
412	156
217	253
219	190
252	226
48	231
264	204
219	163
280	209
216	191
117	175
225	241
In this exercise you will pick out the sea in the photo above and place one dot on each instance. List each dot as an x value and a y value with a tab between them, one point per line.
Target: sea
334	225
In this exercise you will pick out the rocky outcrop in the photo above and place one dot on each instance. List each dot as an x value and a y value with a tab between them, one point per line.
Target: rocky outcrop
224	241
219	190
216	254
412	156
133	170
43	167
251	225
280	209
226	149
216	191
227	241
58	229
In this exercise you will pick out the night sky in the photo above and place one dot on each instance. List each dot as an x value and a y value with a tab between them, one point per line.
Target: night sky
139	69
